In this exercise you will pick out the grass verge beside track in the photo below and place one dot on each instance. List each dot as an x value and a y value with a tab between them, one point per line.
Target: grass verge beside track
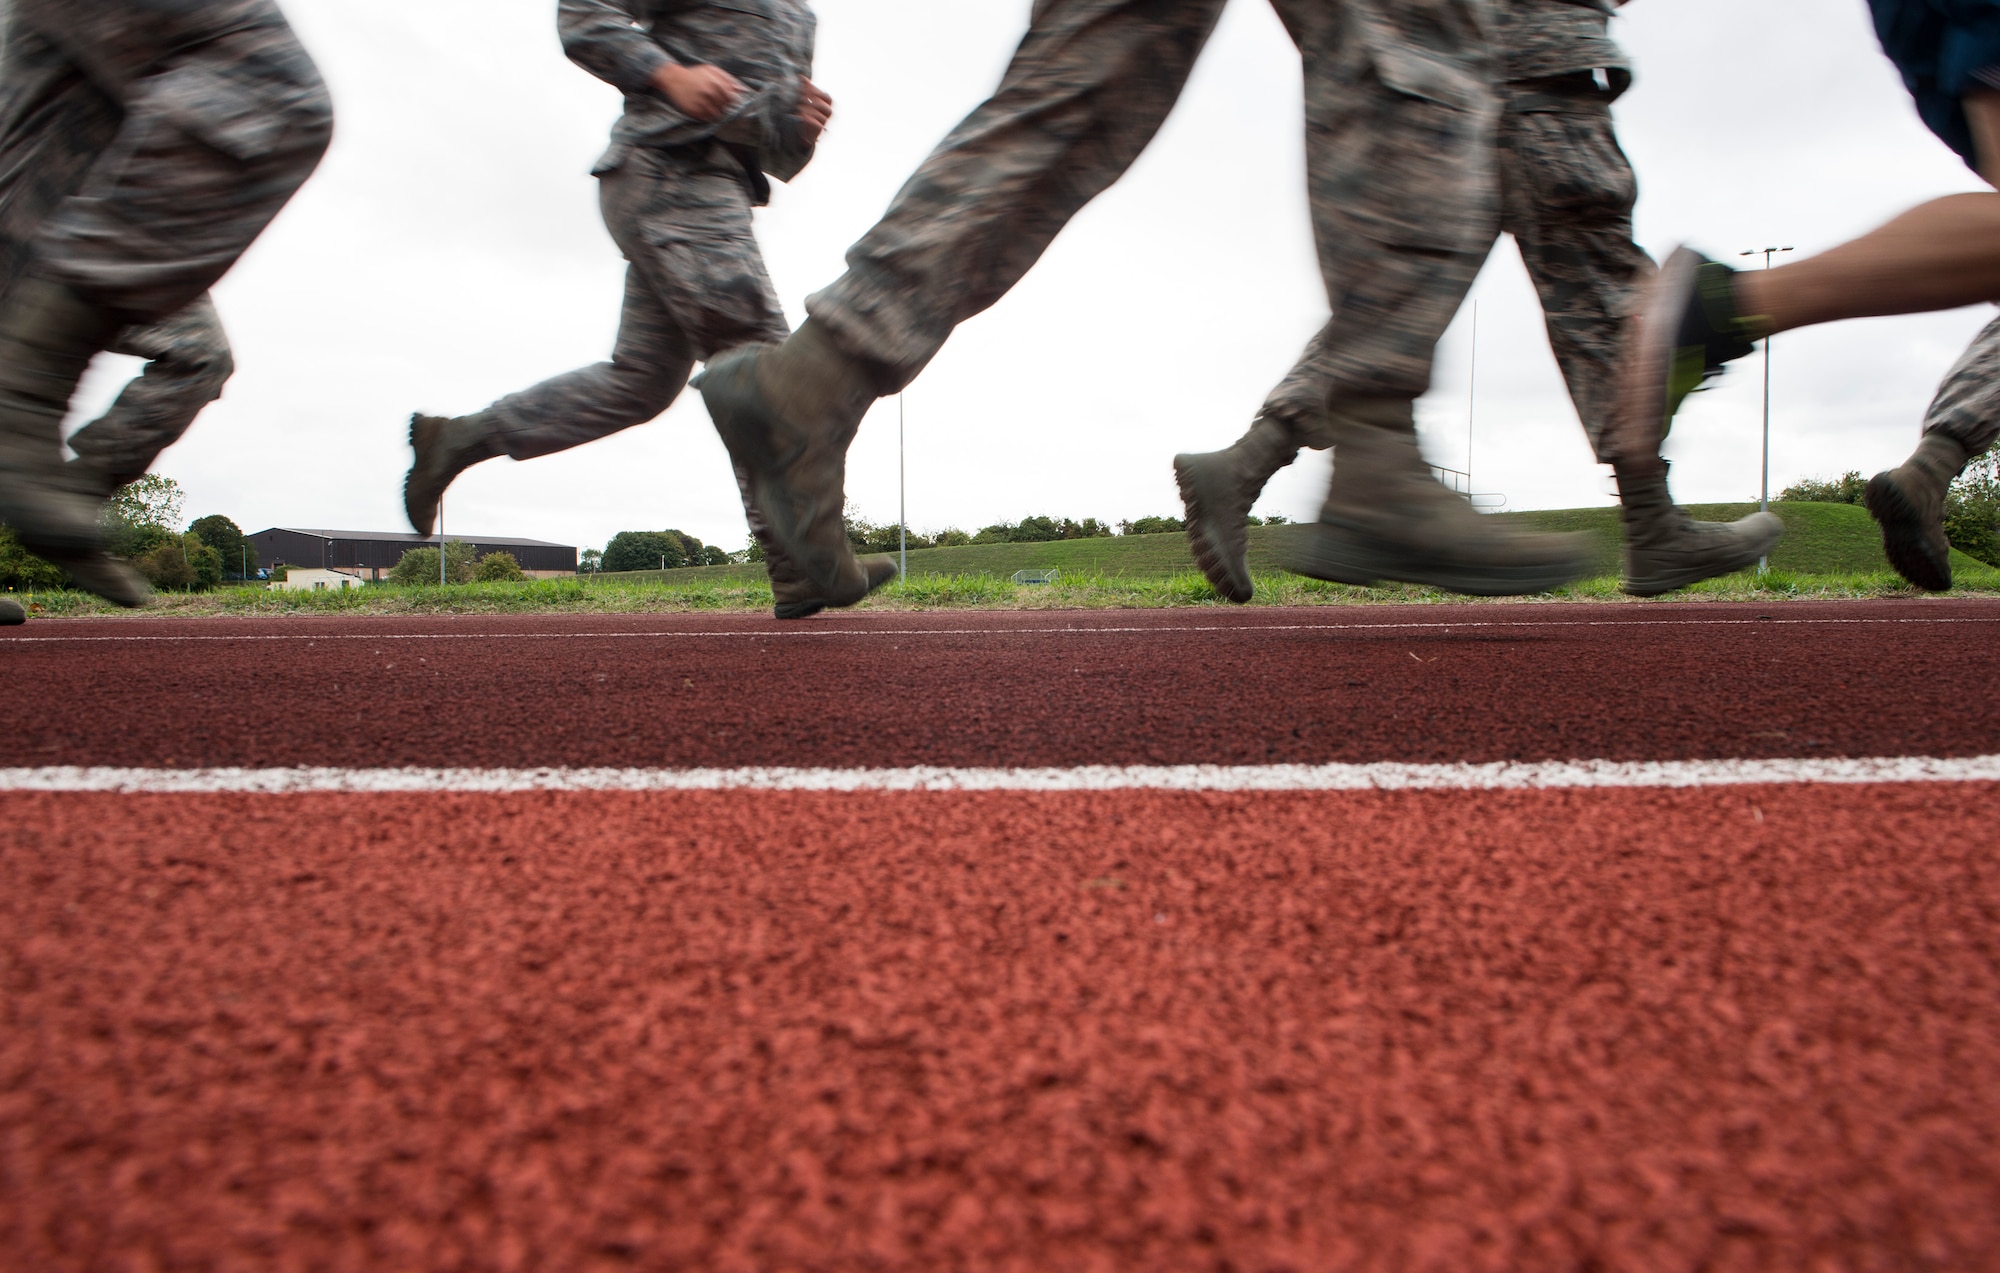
954	592
1830	551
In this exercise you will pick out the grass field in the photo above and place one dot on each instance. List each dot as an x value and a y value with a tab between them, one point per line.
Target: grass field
1829	551
1820	539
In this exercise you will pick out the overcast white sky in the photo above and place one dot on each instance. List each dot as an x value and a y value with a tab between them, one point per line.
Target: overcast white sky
450	251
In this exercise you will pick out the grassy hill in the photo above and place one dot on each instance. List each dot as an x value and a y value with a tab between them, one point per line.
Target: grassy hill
1820	539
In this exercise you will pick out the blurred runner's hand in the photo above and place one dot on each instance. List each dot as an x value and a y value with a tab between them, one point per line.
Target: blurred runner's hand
699	92
815	109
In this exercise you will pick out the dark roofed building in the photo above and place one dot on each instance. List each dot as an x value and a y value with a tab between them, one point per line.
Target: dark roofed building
373	556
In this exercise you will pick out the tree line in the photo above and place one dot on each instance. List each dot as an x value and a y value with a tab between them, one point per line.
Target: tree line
874	537
140	524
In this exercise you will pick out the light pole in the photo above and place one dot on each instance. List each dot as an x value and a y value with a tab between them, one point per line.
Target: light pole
902	495
1764	486
1471	397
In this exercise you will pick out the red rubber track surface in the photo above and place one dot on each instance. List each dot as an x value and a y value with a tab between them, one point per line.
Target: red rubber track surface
1430	683
1748	1028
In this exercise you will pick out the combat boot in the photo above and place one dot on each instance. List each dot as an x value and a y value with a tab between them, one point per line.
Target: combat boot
445	446
1666	549
11	613
793	595
786	413
1908	503
1218	489
48	335
1388	517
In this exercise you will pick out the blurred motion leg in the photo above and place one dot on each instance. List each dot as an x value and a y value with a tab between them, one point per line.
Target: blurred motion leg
1088	88
219	118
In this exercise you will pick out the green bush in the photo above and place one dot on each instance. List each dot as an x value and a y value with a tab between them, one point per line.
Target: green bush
239	559
139	519
1153	526
867	537
1041	530
419	566
1972	510
498	568
656	550
1845	489
21	569
873	537
181	564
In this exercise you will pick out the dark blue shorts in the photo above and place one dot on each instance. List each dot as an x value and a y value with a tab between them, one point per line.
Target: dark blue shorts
1942	47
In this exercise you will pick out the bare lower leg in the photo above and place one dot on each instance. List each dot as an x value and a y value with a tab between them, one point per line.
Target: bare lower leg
1941	255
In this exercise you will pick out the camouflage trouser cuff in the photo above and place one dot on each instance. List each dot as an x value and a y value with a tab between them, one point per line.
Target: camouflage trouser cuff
1967	407
514	439
1304	425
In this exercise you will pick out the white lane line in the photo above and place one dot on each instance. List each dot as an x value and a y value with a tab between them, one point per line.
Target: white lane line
1072	630
1501	776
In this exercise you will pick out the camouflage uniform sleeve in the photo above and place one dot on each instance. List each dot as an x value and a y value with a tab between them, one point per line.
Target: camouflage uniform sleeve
602	37
789	152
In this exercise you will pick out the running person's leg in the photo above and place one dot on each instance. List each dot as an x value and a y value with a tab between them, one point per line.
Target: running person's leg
695	286
224	117
1701	314
187	363
1219	488
1941	255
1961	425
1567	197
1089	86
1401	166
1908	501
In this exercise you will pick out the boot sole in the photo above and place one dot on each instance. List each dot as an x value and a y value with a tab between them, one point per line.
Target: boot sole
798	609
880	572
1340	554
1230	583
1904	542
1661	582
735	406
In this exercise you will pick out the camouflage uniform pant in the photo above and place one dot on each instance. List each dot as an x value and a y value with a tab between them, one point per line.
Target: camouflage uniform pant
1967	407
187	363
1399	121
220	118
1567	192
695	286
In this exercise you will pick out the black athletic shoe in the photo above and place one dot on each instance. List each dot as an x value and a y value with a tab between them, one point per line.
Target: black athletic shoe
11	613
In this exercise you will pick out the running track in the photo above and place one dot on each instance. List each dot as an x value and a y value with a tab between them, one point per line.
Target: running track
1313	940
